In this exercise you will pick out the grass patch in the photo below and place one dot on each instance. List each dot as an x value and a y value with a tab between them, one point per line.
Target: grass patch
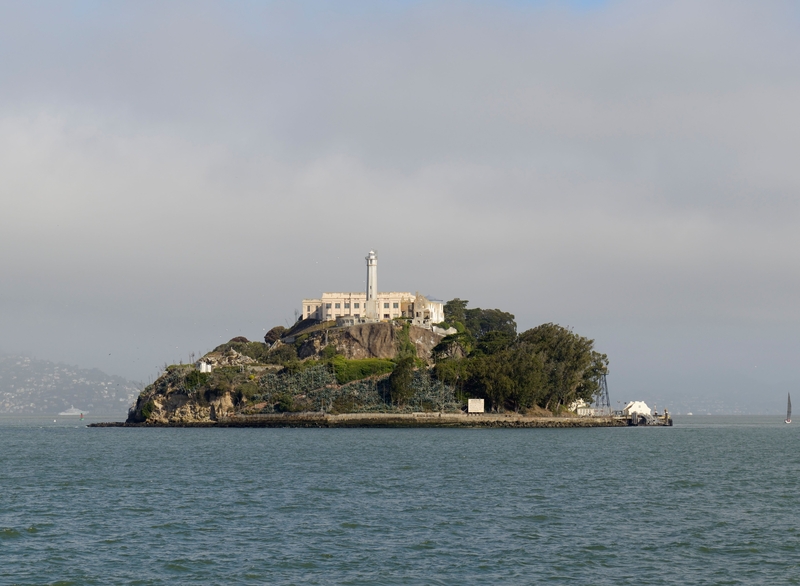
350	370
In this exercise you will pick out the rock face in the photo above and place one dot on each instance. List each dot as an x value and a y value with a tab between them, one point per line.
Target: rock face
377	340
228	358
171	399
367	341
183	394
425	340
180	408
450	349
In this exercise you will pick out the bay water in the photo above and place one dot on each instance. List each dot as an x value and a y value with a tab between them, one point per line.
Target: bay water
712	500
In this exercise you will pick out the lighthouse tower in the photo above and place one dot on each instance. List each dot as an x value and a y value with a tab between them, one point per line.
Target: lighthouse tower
372	286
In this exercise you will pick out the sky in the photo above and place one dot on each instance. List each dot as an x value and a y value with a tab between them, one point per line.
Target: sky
177	174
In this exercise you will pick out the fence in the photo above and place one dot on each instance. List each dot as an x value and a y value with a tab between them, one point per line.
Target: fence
315	388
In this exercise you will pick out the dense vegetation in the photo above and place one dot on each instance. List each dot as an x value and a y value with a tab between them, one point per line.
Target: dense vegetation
548	366
350	370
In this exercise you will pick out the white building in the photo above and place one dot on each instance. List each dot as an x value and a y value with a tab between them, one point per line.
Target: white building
638	407
373	305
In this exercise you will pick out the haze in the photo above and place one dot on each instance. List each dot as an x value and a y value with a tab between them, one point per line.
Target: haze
176	174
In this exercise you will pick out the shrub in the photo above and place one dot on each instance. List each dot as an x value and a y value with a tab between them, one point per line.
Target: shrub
196	379
400	381
286	404
274	334
329	352
246	391
297	366
405	347
147	409
350	370
255	350
282	355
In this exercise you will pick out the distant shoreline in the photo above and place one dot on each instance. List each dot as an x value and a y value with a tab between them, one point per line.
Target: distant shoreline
377	420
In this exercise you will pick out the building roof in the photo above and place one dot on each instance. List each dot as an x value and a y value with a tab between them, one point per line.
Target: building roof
637	407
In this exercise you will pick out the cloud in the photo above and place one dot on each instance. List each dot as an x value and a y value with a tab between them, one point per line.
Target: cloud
615	168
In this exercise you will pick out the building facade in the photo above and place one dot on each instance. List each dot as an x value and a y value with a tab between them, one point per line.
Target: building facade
373	305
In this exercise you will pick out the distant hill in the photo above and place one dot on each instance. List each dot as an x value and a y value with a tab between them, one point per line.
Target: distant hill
29	386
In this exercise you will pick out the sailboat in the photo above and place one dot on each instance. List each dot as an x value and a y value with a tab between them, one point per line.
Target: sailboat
788	408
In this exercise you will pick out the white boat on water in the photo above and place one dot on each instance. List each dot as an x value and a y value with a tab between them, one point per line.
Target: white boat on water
72	411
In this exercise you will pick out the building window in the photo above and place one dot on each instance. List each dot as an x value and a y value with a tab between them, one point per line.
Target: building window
386	306
338	306
308	308
395	305
327	306
356	315
417	314
356	305
337	315
347	306
385	316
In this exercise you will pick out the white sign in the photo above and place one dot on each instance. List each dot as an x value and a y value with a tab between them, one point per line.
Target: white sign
475	406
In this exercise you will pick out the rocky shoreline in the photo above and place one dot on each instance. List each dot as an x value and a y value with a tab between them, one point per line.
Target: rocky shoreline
394	420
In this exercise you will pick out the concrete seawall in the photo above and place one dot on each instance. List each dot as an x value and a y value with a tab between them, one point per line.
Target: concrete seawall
353	420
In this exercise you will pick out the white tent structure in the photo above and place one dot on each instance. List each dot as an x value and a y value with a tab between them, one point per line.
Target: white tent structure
638	407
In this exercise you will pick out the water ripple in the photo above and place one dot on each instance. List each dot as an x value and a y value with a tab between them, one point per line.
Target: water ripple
700	504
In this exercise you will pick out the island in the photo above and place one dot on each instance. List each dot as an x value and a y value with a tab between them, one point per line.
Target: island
385	374
386	359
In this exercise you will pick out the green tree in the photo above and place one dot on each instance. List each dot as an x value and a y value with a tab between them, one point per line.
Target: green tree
455	311
400	380
549	366
405	347
512	378
481	321
493	342
274	335
454	346
478	321
570	363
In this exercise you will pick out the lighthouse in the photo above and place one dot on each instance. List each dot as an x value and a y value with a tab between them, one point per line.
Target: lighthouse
371	305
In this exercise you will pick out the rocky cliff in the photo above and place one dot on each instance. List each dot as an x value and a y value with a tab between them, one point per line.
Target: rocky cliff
241	371
378	340
184	395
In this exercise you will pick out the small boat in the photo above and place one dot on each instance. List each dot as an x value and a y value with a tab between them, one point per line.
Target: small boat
73	411
788	408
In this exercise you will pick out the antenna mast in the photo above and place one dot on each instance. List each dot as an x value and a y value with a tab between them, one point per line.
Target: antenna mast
603	402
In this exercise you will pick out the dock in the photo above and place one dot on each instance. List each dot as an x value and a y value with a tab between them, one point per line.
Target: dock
378	420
